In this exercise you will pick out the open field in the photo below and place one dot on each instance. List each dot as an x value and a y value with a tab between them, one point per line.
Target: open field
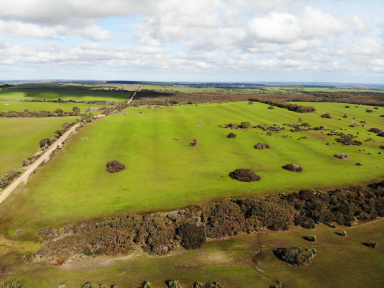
63	94
20	106
245	261
19	138
164	174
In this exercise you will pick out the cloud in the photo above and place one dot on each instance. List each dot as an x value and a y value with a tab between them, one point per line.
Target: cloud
361	27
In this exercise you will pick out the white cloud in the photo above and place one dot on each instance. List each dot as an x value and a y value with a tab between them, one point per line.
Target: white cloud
361	27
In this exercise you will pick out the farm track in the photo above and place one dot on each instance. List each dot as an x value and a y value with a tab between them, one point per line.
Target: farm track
24	176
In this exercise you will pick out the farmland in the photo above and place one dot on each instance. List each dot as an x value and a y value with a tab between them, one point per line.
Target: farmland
164	174
19	138
20	106
37	92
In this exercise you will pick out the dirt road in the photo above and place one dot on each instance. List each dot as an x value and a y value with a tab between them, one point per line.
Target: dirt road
129	100
24	177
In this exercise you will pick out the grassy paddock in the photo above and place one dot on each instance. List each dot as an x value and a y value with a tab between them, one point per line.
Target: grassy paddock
42	106
55	94
164	174
19	138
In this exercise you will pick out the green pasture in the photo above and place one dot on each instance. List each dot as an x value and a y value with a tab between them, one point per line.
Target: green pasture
165	174
20	137
63	94
20	106
245	261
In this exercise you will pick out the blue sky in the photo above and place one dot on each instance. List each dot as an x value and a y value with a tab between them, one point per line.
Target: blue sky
195	40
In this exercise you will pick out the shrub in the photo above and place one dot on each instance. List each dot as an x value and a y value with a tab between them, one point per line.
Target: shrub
76	109
271	107
381	147
244	175
193	143
173	284
347	107
348	140
381	134
372	244
245	125
312	238
345	116
293	168
147	285
344	233
8	177
342	156
45	142
261	146
115	166
13	284
295	255
232	135
326	115
250	103
192	237
376	130
368	110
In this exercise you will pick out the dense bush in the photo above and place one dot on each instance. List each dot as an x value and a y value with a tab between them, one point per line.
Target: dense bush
231	135
295	255
245	125
369	111
115	166
8	177
326	115
193	143
342	156
192	237
261	146
283	104
348	140
376	130
46	142
244	175
271	107
293	168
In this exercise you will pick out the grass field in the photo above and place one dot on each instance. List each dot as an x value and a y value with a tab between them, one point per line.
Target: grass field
245	261
19	138
57	93
164	174
20	106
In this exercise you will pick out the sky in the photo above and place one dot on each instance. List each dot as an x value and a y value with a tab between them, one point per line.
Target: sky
193	41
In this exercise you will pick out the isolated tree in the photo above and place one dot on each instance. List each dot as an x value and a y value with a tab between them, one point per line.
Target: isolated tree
76	109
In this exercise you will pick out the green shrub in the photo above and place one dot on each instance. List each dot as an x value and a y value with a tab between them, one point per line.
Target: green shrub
244	175
13	284
192	237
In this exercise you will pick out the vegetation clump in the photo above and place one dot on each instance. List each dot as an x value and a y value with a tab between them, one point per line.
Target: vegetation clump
376	130
8	177
348	140
244	175
372	244
271	107
115	166
261	146
231	135
283	104
192	236
342	156
325	115
293	168
193	143
369	110
295	255
46	142
207	285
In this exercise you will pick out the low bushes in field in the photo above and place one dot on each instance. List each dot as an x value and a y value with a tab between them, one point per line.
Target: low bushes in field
115	166
325	115
293	168
231	135
207	285
348	140
244	175
271	107
342	156
295	255
13	284
369	110
283	104
376	130
261	146
193	143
